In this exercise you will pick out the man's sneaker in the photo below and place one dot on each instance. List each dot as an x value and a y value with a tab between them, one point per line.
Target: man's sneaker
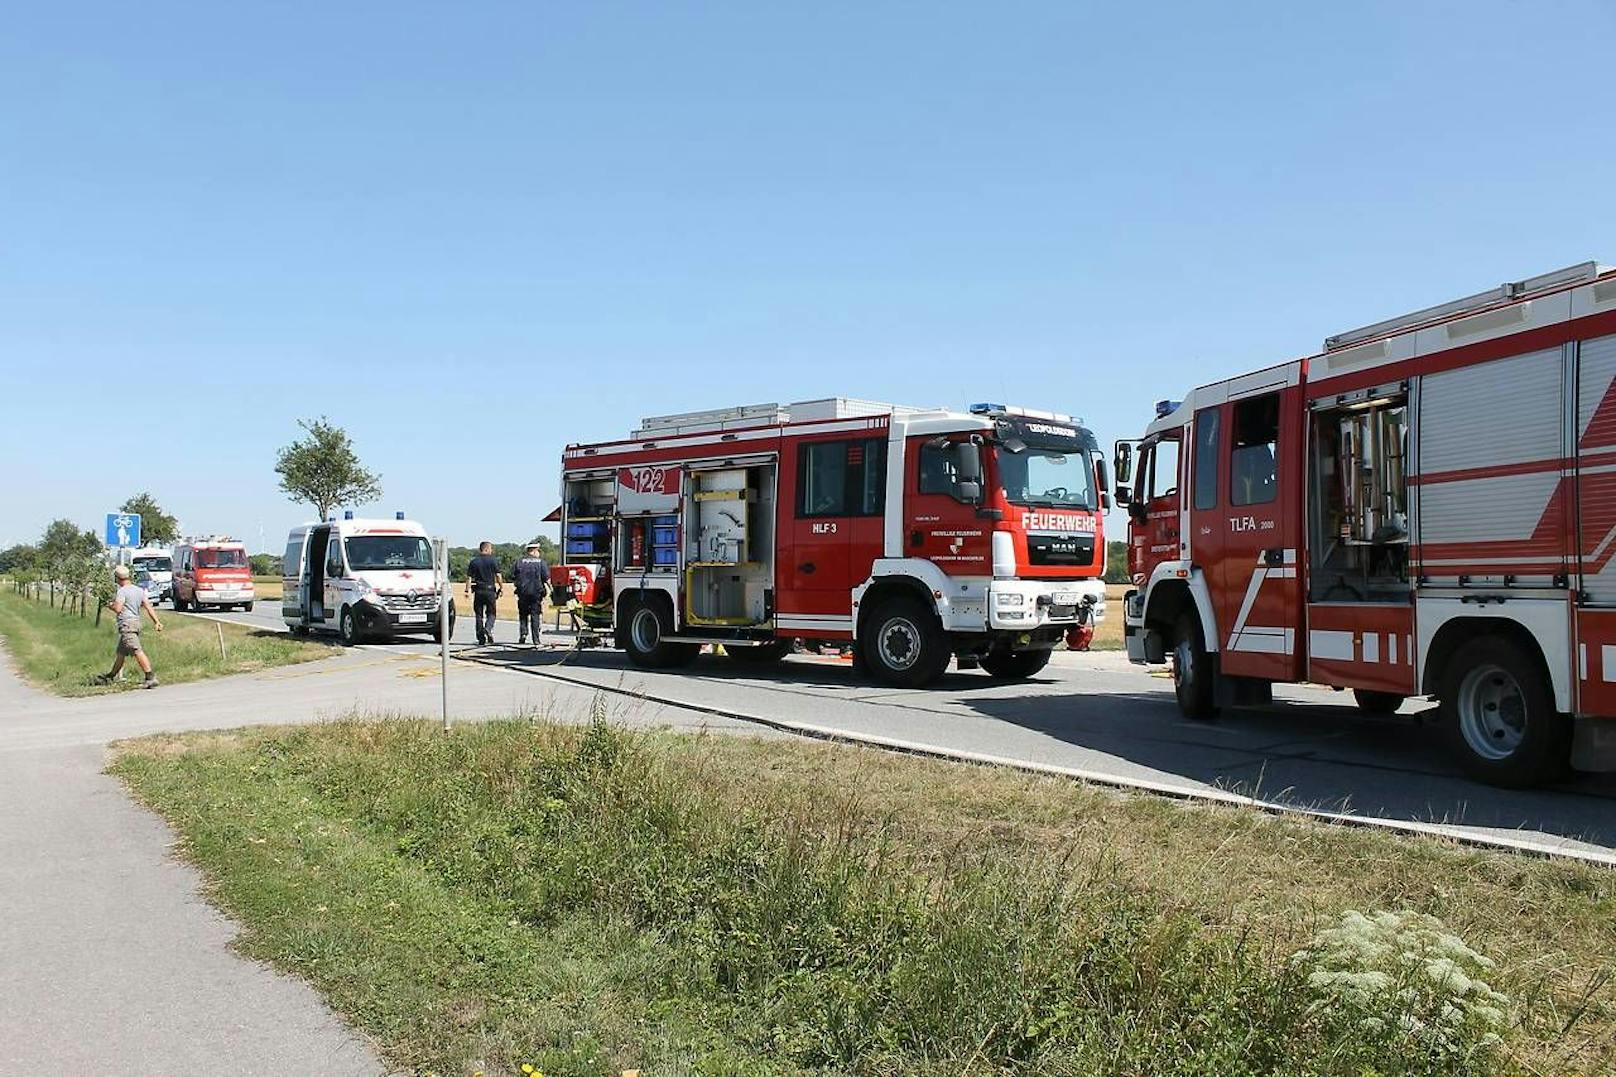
150	682
103	678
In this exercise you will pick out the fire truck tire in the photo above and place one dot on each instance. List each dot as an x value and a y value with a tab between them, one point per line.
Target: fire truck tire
903	644
649	625
1499	716
1372	702
1016	666
761	655
1192	670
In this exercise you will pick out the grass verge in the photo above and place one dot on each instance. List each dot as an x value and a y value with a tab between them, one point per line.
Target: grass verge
64	653
586	900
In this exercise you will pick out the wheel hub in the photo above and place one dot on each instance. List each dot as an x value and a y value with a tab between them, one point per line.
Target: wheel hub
1492	712
900	643
647	630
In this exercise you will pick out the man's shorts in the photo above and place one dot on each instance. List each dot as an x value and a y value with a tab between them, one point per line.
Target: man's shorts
128	641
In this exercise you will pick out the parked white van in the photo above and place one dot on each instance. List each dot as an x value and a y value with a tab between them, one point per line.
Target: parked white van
361	578
158	563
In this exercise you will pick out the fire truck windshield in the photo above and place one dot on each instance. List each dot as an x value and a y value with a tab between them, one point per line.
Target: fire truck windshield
1051	478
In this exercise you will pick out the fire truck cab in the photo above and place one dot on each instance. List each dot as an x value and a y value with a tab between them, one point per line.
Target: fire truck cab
919	535
1425	508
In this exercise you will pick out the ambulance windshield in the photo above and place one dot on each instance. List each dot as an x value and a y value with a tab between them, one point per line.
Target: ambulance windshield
373	553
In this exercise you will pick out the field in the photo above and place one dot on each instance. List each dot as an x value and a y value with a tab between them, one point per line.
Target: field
64	653
585	900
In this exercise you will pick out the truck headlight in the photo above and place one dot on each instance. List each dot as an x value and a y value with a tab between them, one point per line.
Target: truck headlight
1009	598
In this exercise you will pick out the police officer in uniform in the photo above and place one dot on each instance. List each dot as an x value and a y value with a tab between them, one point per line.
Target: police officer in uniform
530	576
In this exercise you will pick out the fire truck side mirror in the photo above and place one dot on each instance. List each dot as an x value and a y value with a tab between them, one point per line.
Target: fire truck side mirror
1124	465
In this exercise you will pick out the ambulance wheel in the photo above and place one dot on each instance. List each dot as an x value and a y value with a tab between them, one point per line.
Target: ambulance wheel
1192	670
1016	666
437	627
1372	702
246	607
347	630
760	655
645	636
903	644
1500	718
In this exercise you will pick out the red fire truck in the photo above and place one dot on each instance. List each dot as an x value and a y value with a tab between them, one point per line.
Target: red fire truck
1425	508
919	535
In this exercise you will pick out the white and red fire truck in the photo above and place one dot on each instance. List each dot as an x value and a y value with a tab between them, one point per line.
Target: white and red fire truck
919	535
1425	508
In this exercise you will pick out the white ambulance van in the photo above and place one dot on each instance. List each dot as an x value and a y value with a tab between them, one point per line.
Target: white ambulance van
361	578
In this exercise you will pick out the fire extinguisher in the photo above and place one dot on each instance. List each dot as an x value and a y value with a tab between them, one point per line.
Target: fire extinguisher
636	544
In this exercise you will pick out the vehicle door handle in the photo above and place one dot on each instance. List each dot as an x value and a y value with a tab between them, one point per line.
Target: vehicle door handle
1274	557
806	569
916	538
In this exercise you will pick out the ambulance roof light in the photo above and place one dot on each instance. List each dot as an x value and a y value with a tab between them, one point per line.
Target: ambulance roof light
398	515
347	514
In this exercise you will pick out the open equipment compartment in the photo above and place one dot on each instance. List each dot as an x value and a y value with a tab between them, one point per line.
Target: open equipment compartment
729	544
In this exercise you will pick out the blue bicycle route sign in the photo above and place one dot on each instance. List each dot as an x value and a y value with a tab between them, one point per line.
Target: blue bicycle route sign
123	529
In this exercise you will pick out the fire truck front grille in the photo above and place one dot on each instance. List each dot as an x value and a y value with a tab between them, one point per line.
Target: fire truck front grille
1060	549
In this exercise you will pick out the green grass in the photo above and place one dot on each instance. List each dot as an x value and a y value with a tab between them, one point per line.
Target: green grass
586	900
64	653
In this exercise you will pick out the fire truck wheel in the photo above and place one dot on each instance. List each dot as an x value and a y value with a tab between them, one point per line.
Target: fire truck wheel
1371	702
649	625
1015	666
1500	718
1192	670
903	645
760	655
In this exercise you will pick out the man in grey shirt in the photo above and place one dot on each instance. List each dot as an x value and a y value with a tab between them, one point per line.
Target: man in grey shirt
127	604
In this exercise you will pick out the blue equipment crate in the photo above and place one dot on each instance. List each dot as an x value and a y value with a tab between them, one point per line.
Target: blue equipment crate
582	546
588	529
664	555
664	536
665	521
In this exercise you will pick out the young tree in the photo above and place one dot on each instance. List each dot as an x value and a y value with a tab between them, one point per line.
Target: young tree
323	470
157	528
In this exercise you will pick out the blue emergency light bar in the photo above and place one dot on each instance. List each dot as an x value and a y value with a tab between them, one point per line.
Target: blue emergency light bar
347	514
1166	407
398	515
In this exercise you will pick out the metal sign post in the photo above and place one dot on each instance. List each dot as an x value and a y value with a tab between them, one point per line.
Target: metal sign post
440	557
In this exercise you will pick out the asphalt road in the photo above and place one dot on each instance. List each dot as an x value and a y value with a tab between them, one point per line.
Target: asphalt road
1096	714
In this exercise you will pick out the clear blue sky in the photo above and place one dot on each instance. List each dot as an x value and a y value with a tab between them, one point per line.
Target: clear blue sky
472	232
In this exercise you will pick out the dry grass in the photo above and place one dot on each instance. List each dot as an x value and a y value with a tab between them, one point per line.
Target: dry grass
420	882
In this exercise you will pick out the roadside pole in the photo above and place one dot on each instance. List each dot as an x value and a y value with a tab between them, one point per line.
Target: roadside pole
440	555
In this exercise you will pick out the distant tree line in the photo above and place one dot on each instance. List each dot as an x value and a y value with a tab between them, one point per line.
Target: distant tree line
67	568
1116	562
507	553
